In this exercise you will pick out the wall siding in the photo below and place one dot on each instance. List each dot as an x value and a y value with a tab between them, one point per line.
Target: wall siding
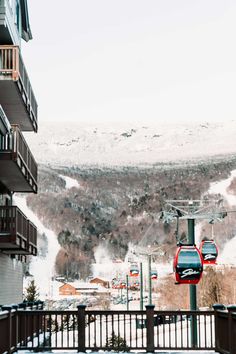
11	280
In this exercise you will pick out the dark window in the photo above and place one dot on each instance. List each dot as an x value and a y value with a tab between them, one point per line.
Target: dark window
189	258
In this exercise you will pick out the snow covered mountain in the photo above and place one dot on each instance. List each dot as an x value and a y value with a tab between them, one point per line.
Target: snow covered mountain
77	144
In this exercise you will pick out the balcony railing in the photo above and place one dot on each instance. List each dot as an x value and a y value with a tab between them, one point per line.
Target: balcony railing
12	69
32	238
13	147
119	331
17	234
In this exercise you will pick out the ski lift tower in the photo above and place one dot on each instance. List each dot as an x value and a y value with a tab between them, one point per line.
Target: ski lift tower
205	209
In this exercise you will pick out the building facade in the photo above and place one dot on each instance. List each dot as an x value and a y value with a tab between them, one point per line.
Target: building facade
18	169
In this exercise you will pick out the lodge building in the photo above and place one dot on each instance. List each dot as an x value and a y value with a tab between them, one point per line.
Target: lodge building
18	169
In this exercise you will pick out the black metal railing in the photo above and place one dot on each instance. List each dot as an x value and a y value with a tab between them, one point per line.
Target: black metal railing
113	330
225	329
10	324
148	330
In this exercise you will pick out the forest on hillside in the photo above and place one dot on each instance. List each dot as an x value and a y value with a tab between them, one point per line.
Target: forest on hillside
115	207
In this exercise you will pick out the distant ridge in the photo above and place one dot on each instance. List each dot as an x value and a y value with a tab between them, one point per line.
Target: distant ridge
75	144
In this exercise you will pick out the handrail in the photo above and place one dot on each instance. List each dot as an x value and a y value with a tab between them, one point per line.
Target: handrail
14	221
11	64
4	121
32	233
15	142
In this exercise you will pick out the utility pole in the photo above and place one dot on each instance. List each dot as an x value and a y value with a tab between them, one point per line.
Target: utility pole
190	210
149	279
127	292
192	287
141	286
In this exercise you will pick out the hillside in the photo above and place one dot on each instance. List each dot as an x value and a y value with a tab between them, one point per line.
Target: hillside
113	207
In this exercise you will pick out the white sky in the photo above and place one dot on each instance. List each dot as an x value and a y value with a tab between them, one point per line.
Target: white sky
133	60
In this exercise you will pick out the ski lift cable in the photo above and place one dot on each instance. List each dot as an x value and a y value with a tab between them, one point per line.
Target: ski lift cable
156	219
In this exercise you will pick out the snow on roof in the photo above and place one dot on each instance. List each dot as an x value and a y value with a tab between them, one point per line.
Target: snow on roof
99	278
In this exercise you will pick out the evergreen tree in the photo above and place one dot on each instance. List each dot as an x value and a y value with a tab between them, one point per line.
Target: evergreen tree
31	293
117	343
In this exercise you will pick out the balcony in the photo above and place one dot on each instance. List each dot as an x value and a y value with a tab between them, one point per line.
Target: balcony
9	33
17	97
18	169
17	234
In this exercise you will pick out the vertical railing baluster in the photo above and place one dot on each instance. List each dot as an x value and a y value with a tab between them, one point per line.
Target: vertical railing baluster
68	333
112	325
142	319
199	332
89	330
211	324
106	343
205	330
95	334
81	327
130	329
73	330
157	332
50	329
170	319
101	330
176	320
56	330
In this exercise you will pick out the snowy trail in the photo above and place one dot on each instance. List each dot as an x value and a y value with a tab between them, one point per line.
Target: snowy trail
70	182
41	268
221	188
228	256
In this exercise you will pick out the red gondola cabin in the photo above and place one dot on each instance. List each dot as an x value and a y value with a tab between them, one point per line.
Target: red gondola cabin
188	265
154	274
209	251
134	270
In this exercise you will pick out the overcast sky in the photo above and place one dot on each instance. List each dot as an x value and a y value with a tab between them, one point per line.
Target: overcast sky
133	60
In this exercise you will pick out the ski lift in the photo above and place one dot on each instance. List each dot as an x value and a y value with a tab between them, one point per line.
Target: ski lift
209	251
134	270
153	274
122	285
188	265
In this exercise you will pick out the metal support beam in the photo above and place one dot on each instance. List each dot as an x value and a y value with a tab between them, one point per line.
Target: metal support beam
127	292
149	279
192	288
141	286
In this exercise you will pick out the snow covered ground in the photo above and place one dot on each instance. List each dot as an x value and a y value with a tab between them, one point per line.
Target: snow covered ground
70	182
42	268
130	144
